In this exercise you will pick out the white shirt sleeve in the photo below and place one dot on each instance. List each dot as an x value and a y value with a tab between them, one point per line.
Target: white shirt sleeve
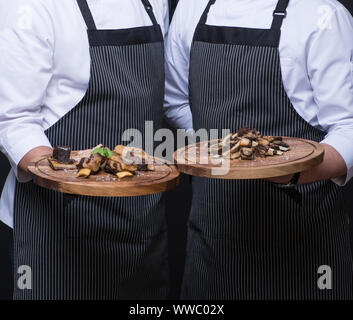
26	49
330	61
176	107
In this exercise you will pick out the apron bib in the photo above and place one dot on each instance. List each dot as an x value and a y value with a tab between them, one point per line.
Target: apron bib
89	247
250	239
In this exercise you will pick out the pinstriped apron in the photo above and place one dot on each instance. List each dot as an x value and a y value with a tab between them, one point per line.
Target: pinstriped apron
89	247
251	239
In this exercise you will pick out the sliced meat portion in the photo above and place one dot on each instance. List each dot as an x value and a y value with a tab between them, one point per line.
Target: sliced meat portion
62	154
122	164
247	144
247	153
243	131
55	165
112	167
133	159
92	163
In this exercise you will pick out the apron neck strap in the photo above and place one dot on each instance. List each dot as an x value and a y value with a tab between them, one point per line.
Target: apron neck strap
87	15
149	10
205	13
279	14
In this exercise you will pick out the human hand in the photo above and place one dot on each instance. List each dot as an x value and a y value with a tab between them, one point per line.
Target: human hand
31	156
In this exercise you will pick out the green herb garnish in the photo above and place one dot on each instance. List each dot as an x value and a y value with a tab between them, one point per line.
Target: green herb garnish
104	152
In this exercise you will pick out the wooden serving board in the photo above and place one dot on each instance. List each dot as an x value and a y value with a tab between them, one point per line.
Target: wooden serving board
304	155
164	178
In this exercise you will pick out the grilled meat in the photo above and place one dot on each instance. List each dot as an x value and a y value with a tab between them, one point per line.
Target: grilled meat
123	162
62	154
92	163
247	144
55	165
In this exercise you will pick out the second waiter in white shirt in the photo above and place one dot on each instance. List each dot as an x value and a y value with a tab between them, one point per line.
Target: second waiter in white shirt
80	73
284	69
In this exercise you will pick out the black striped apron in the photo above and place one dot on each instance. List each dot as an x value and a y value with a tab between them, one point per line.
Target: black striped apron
250	239
89	247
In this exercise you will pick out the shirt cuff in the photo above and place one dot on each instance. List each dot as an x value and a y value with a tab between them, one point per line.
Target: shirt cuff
344	147
17	144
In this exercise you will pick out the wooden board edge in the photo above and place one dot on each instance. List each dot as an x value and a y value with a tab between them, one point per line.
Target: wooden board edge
163	185
255	173
109	191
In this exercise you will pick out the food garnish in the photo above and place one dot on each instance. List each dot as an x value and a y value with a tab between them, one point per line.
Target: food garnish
105	152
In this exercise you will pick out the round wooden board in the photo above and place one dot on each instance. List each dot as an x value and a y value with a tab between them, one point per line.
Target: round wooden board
304	155
164	178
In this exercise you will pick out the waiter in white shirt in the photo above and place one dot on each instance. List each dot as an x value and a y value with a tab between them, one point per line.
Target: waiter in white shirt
62	85
284	69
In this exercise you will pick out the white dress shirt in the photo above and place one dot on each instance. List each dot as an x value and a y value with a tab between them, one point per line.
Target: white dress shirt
45	68
316	53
